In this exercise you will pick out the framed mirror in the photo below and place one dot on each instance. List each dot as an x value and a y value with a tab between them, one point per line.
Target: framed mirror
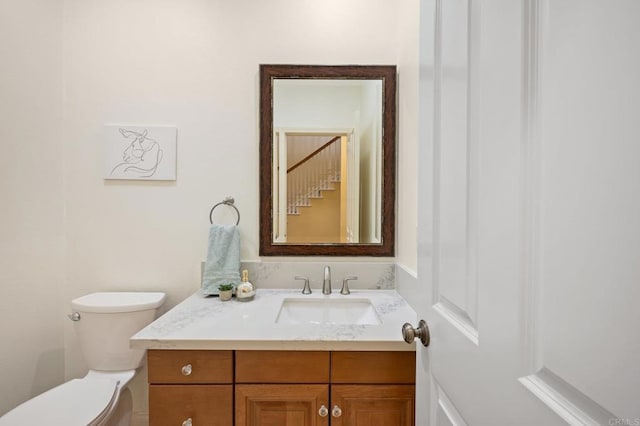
327	160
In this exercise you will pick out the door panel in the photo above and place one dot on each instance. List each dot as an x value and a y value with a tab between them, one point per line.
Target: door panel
585	264
455	287
444	412
529	219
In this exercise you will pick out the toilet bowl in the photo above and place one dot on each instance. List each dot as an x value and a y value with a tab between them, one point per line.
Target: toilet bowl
104	323
91	400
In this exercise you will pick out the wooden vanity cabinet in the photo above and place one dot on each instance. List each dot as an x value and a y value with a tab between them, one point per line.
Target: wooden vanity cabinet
190	387
284	388
373	388
341	388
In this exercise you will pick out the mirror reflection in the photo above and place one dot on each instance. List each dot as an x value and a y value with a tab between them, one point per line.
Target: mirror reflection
327	160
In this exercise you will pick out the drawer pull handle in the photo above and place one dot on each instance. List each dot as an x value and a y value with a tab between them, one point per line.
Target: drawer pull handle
187	422
323	411
336	412
186	371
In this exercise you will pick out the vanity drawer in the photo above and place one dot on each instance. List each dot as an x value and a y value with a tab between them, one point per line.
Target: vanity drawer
203	404
373	367
282	367
181	366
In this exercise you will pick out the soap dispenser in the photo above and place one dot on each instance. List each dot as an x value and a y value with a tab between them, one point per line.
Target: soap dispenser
245	290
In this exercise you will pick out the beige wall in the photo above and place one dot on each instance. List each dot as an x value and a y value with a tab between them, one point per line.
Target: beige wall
407	181
192	64
31	213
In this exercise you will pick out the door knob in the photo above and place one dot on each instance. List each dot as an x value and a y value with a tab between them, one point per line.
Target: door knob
409	334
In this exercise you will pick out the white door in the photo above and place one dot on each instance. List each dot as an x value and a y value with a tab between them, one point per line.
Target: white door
529	212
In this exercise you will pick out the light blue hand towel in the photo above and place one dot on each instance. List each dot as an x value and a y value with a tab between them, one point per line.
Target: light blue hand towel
223	258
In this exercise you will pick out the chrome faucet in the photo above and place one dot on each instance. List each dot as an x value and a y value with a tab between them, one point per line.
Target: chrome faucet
345	284
306	289
326	284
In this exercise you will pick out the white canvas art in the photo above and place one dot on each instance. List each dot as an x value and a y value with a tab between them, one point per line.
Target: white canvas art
140	152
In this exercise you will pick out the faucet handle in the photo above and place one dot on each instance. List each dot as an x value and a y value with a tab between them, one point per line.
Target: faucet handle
307	288
345	284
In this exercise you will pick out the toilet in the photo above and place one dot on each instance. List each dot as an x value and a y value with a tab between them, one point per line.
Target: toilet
104	322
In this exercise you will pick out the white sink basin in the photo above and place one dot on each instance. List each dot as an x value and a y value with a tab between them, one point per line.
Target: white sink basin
327	311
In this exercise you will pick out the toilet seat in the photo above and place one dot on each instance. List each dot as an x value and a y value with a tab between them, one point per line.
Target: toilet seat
86	401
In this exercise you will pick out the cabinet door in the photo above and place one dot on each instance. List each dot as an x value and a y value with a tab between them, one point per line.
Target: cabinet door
372	405
210	405
282	405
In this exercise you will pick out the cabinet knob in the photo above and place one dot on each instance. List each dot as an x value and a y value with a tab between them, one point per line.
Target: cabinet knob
187	422
336	412
323	411
186	371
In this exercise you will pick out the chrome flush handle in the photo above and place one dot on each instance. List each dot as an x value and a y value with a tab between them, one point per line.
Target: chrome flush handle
74	316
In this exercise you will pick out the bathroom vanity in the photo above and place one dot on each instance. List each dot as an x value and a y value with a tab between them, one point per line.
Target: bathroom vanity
283	358
281	387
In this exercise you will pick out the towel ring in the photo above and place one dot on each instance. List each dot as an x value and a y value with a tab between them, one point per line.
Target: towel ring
229	202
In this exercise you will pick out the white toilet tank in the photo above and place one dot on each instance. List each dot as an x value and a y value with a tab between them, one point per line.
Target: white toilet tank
106	321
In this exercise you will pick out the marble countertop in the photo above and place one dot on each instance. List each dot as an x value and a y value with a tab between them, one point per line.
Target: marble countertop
207	323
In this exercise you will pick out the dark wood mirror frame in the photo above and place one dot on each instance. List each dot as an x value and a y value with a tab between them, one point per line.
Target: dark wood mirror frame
386	73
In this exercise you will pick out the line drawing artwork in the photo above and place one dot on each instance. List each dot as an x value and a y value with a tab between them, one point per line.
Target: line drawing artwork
140	152
141	157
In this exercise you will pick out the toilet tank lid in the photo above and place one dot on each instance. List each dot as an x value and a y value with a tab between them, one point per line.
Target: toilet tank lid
113	302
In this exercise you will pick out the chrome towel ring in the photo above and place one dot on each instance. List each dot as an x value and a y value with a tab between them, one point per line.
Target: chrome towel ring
229	202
